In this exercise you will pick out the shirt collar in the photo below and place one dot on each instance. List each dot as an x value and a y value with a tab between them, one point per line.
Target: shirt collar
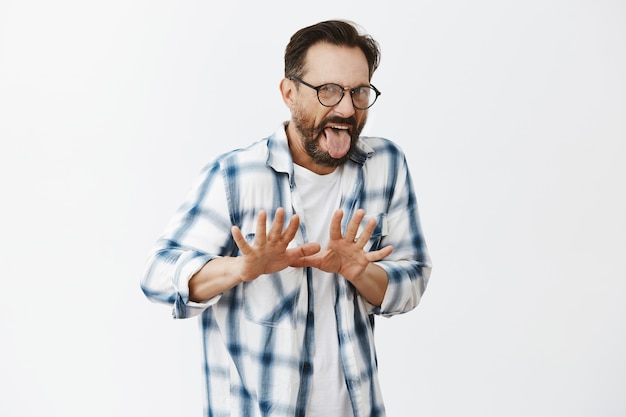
279	156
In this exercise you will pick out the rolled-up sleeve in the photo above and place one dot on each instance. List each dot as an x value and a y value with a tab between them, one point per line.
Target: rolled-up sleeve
198	232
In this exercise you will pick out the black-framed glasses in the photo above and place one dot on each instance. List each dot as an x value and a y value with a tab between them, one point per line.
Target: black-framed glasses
329	95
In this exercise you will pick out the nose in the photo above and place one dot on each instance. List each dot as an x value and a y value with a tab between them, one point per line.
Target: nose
345	108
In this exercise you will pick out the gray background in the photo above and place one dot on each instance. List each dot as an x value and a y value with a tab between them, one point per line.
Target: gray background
512	115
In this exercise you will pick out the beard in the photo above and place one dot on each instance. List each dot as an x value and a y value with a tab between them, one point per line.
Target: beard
310	136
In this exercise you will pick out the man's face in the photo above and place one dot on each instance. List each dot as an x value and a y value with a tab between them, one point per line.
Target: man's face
325	135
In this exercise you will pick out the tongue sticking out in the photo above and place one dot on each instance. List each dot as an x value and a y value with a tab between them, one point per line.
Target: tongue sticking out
337	141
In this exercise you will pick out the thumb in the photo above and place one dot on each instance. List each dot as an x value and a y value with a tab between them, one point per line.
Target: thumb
304	255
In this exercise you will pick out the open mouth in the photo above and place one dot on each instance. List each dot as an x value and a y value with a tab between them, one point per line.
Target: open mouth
338	127
338	140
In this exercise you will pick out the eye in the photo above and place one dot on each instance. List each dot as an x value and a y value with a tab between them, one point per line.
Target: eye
361	92
331	89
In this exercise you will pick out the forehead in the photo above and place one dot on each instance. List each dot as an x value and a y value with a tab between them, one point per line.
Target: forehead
326	63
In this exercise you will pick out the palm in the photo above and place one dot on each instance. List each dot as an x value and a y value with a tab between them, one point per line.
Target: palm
269	253
344	258
344	254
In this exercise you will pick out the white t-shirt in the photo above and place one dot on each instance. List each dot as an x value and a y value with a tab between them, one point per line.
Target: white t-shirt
320	195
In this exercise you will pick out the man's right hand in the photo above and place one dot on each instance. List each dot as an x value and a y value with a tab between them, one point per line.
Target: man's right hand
267	254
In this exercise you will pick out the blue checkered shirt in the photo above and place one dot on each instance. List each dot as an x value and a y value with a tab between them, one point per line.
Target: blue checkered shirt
258	336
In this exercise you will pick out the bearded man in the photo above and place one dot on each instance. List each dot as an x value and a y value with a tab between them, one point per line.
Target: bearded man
288	249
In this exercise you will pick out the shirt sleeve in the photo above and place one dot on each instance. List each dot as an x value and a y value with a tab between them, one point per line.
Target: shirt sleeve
198	232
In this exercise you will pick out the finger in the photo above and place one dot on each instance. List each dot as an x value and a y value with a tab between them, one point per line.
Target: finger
260	237
305	255
240	241
277	225
302	251
380	254
366	233
335	225
353	226
292	228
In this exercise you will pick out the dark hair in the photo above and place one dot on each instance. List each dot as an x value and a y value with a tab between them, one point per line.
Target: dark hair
335	32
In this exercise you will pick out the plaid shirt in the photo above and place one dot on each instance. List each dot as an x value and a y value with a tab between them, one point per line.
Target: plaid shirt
258	336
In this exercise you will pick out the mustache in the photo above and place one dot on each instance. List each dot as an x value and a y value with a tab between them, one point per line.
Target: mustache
342	120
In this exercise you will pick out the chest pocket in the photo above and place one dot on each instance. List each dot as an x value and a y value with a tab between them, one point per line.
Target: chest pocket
272	299
380	231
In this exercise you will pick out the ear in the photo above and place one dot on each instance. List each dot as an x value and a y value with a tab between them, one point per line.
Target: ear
288	91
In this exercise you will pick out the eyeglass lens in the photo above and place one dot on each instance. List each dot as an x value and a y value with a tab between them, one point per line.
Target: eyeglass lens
331	94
